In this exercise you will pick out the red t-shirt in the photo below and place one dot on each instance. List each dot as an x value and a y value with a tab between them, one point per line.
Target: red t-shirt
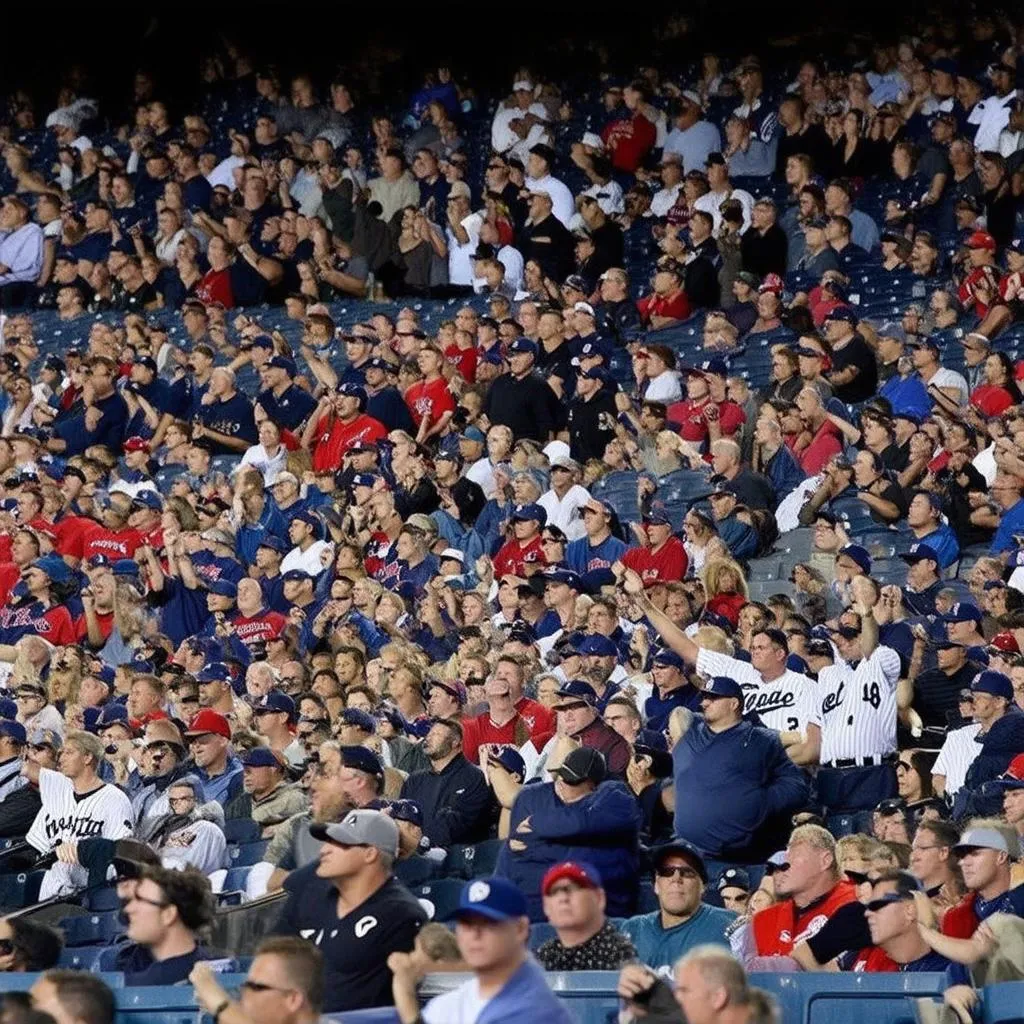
9	576
333	438
514	733
536	716
968	291
629	141
677	306
216	287
71	533
778	928
513	557
106	624
464	360
874	960
669	563
825	443
115	545
692	425
430	399
259	628
991	399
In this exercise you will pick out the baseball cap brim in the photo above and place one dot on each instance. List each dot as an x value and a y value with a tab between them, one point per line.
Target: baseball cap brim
480	910
336	832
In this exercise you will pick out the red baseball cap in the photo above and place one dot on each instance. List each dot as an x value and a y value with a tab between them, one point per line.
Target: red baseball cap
209	721
1005	642
136	444
982	240
1016	767
583	874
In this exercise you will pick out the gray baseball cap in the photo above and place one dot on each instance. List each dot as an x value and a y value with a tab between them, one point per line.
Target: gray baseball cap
981	839
361	828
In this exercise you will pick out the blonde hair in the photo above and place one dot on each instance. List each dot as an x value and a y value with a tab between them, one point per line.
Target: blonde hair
817	838
438	943
714	638
714	569
856	845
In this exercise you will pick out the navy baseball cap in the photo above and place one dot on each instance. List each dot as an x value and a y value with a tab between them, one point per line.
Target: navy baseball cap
8	709
112	714
512	761
566	576
844	313
362	759
274	543
734	878
523	513
215	672
963	611
920	553
668	657
262	341
365	479
284	363
360	719
716	366
722	687
406	810
683	849
993	683
656	517
857	554
274	702
261	757
597	645
584	764
847	632
577	690
523	346
13	730
222	588
453	689
494	898
594	349
295	576
600	373
148	499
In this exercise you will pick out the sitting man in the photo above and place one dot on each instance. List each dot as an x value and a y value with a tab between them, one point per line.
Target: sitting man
585	939
164	915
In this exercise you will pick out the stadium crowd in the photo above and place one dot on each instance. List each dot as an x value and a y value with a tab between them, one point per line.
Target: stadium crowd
595	518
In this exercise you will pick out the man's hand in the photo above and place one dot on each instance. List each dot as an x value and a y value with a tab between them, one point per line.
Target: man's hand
210	993
67	853
636	981
961	999
93	415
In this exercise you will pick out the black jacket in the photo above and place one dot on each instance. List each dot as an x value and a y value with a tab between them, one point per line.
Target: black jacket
550	243
456	803
589	430
526	406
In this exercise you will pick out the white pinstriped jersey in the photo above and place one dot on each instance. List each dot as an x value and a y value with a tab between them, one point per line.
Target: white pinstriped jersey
858	706
786	704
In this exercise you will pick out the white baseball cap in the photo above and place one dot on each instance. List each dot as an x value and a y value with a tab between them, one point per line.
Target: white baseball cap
523	85
593	140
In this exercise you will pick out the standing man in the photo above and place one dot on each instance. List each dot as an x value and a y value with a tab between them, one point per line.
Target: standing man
76	805
349	904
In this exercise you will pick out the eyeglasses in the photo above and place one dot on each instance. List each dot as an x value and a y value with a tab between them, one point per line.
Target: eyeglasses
172	800
258	986
686	874
159	904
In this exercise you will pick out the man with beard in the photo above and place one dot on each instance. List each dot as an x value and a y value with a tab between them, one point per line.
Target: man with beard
453	795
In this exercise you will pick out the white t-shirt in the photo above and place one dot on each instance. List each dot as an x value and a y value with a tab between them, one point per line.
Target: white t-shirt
308	560
502	136
664	199
951	379
609	197
711	201
957	755
462	1005
482	473
562	205
563	512
460	257
664	388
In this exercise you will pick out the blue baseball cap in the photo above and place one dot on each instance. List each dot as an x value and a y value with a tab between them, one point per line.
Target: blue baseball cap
512	761
353	391
597	645
273	703
125	567
274	543
721	687
54	566
492	356
362	759
601	373
295	576
262	341
734	878
523	346
494	898
284	363
716	366
222	588
8	709
993	683
577	690
112	714
365	479
556	574
453	688
261	757
214	672
657	516
963	611
148	499
524	513
597	349
857	554
682	848
668	657
360	719
843	313
920	553
13	730
474	434
90	716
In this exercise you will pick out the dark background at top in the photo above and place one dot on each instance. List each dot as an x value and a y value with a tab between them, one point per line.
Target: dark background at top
481	41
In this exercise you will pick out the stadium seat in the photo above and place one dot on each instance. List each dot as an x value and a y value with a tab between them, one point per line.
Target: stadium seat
104	899
540	933
1003	1003
418	870
246	854
241	830
92	929
236	878
81	958
473	860
20	890
439	898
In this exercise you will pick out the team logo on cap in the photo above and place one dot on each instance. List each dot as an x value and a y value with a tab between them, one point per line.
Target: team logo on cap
478	892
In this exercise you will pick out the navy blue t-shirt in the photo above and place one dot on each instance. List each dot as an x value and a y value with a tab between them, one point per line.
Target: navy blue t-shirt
290	409
140	968
233	418
196	193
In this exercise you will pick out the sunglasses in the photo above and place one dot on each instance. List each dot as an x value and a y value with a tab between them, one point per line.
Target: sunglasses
773	869
876	905
258	986
684	873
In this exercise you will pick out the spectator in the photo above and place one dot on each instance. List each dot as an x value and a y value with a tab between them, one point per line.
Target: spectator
73	997
28	946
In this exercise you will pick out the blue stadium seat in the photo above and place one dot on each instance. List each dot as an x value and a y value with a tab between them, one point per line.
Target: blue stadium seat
20	890
236	879
92	929
103	899
381	1015
473	860
439	898
1003	1003
540	933
246	854
418	870
241	830
81	958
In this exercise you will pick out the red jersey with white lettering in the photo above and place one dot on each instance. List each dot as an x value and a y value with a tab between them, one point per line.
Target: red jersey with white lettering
514	733
694	427
536	716
464	360
333	438
669	562
778	928
52	624
430	400
258	629
513	557
114	544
